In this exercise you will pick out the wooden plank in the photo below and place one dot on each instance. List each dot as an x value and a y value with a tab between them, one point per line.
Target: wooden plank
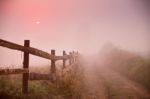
70	58
31	50
13	71
38	76
62	57
64	60
53	65
25	66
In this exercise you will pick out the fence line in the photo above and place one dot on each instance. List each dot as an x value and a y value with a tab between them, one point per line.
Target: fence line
72	57
31	50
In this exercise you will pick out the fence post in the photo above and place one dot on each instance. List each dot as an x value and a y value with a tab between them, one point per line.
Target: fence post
64	60
73	57
70	59
25	66
53	67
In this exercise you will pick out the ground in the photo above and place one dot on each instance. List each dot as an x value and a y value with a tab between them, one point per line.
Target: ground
104	83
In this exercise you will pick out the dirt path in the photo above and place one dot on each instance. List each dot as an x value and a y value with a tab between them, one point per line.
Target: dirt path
94	86
104	83
120	87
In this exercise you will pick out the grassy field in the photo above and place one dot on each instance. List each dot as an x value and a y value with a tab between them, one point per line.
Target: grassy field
67	86
132	65
70	82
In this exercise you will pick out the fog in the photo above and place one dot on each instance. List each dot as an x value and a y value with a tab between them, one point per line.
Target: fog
79	25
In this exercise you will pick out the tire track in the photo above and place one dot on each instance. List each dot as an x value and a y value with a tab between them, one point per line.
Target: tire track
104	83
95	89
120	87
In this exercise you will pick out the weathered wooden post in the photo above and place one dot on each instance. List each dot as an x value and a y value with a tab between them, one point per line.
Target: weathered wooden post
64	60
73	57
70	59
25	66
53	67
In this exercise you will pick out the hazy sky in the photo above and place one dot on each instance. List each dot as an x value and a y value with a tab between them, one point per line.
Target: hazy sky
82	25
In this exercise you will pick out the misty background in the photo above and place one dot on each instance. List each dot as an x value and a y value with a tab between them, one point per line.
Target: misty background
80	25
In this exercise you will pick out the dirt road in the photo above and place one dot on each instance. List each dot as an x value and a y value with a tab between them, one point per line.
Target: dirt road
104	83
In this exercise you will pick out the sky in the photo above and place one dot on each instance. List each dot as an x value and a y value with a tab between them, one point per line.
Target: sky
79	25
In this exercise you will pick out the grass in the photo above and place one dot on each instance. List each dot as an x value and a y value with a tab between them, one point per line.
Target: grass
130	64
67	86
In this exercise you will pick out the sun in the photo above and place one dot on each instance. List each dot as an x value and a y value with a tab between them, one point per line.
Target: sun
37	22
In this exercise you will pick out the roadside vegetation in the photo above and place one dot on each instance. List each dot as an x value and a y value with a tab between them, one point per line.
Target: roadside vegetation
67	86
130	64
70	82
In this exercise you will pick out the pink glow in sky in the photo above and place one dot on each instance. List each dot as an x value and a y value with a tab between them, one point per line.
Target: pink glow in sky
82	25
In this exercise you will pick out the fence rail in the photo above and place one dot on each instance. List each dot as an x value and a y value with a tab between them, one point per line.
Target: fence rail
13	71
72	57
31	50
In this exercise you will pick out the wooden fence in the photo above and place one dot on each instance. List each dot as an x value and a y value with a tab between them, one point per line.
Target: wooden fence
72	57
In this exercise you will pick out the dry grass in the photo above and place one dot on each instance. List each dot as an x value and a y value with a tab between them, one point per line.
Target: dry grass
67	85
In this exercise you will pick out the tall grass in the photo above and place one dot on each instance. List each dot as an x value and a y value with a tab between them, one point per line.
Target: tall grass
67	86
130	64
